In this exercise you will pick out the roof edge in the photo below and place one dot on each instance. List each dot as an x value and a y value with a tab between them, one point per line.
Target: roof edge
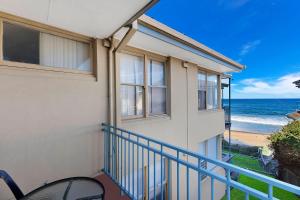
137	15
148	21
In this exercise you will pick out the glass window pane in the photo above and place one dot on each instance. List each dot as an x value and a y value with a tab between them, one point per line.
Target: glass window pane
20	44
201	91
212	92
57	51
83	61
156	74
201	100
157	100
202	148
131	69
131	100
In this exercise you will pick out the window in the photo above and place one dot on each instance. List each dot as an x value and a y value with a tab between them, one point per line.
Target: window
132	85
201	91
20	44
210	149
25	45
157	88
207	91
136	92
203	151
56	51
212	91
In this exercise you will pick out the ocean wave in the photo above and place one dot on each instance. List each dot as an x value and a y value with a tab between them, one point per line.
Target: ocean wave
276	121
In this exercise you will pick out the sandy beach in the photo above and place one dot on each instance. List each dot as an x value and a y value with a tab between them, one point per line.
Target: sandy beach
246	138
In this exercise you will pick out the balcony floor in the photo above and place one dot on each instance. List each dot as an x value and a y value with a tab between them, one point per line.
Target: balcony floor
112	191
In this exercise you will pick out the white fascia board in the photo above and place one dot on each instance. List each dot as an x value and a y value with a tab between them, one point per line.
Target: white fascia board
155	34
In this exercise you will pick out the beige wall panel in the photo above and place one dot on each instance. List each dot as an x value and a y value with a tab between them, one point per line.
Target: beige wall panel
50	123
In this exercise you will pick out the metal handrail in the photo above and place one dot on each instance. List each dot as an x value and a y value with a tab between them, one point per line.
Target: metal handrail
113	151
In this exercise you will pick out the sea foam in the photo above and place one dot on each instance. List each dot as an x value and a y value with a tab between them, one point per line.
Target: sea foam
268	120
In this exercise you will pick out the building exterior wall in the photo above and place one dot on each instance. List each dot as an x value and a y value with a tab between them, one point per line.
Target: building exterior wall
185	126
50	120
50	123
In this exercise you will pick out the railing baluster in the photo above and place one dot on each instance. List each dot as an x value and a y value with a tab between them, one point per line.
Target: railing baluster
199	180
111	155
114	154
133	181
228	183
148	167
178	176
169	179
161	173
115	151
247	196
212	188
187	183
138	169
129	184
118	164
143	178
121	159
154	169
125	165
105	150
270	191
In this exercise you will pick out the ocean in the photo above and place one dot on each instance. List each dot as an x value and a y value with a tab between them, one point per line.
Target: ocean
261	115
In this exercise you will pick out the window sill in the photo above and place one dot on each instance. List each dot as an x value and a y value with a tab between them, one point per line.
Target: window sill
210	111
148	118
18	65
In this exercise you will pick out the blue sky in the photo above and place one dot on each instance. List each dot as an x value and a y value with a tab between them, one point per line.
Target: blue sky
264	35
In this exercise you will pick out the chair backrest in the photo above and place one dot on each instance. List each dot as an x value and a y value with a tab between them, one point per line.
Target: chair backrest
11	184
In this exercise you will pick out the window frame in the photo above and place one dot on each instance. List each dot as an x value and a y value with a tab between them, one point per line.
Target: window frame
207	73
165	86
49	30
217	106
136	85
218	152
147	58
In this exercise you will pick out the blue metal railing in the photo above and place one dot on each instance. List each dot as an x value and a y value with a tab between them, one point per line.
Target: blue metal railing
142	167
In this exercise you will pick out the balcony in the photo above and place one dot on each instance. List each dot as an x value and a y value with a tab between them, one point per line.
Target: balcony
227	116
145	168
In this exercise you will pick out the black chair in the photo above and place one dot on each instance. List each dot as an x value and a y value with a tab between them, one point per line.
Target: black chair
11	184
75	188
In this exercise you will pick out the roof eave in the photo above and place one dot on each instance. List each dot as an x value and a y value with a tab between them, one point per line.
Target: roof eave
137	15
155	25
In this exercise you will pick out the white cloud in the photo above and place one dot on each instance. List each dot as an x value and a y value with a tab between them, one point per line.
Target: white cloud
282	87
250	46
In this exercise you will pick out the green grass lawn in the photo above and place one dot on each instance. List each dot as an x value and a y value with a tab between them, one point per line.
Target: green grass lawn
251	163
247	162
261	186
